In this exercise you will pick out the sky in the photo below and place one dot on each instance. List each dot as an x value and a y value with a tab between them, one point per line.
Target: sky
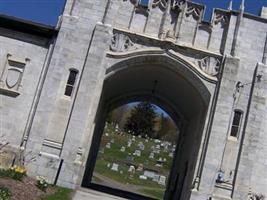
47	11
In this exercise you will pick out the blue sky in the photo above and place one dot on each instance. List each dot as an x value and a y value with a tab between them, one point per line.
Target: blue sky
47	11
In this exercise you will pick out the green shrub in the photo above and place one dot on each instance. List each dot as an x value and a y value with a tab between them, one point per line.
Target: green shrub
5	193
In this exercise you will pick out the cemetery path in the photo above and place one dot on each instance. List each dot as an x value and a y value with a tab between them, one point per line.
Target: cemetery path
114	184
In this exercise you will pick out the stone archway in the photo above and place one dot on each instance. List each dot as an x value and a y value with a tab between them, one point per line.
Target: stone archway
179	91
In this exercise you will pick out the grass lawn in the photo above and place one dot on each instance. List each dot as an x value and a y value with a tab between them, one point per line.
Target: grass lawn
60	194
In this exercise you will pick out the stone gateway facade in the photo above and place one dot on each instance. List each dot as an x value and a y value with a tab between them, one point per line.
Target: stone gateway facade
58	83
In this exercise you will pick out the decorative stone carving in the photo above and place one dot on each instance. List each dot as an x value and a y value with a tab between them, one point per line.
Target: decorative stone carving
210	65
220	18
194	11
161	3
121	43
177	4
252	196
11	77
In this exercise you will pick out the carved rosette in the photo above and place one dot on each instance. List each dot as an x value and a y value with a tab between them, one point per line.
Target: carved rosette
210	65
121	43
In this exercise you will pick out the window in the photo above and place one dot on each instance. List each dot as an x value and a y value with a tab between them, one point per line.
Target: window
144	3
71	82
236	123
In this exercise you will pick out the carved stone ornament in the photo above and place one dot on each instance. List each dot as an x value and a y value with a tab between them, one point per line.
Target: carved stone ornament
252	196
121	43
210	65
13	77
161	3
220	18
194	11
177	4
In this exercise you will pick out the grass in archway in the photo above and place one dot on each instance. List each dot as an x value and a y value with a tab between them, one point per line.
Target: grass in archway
60	194
157	194
107	156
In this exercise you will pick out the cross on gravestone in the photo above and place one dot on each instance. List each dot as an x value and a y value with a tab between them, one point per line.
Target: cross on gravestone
115	167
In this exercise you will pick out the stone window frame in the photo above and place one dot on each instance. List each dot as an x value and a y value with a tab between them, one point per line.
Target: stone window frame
73	86
12	64
236	136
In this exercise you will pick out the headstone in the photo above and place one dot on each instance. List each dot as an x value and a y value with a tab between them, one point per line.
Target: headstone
106	134
140	168
112	140
142	177
108	165
117	128
137	153
157	141
171	154
151	155
129	144
108	145
162	180
141	146
156	178
146	140
139	136
115	167
122	149
149	174
131	169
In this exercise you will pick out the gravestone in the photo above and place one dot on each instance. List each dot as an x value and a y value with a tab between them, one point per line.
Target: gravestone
137	153
115	167
141	146
162	180
140	168
122	149
151	155
108	145
142	177
156	178
131	169
129	144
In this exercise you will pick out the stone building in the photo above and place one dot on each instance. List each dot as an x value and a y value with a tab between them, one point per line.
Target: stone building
57	83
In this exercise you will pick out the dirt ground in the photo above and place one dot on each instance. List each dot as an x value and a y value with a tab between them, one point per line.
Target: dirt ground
25	189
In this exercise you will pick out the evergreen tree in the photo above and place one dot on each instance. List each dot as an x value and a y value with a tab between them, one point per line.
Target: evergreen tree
142	120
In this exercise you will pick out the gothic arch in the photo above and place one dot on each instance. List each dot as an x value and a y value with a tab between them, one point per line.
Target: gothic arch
179	90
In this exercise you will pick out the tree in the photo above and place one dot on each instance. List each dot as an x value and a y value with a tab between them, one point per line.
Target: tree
142	120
